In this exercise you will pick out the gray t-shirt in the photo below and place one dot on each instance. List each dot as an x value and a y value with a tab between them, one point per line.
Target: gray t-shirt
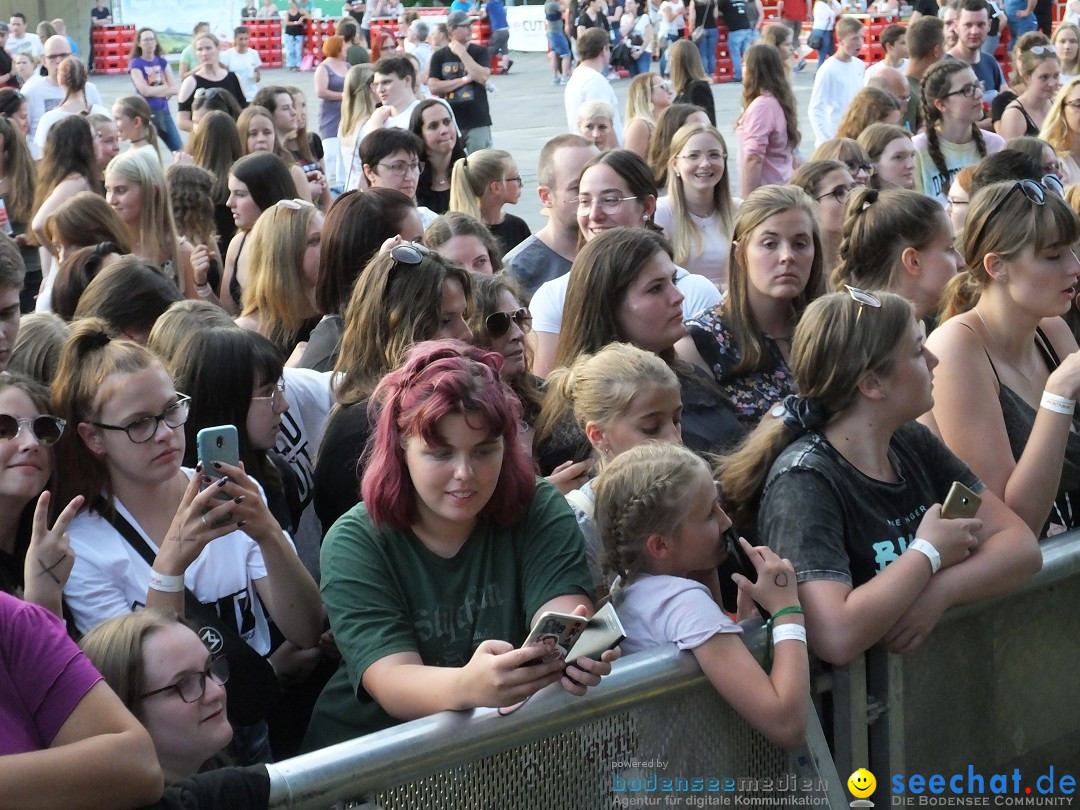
553	16
835	523
532	263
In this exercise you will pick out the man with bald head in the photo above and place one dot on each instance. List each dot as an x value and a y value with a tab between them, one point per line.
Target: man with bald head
44	92
893	82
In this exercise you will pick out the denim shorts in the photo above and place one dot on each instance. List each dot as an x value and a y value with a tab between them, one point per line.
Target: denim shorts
558	43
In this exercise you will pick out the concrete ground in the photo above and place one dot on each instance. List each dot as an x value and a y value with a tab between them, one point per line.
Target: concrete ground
527	110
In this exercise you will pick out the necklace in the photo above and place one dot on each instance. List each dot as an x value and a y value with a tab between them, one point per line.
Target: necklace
439	181
1000	351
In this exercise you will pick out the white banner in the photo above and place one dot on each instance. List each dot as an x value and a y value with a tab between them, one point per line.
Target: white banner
528	28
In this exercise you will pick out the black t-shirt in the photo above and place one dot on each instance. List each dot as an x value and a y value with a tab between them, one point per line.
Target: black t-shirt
295	25
705	14
230	83
336	484
835	523
235	788
511	232
927	7
585	21
100	13
699	93
734	12
470	103
7	68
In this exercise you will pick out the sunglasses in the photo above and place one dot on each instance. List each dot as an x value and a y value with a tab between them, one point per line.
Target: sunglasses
498	323
863	299
294	204
409	253
1034	192
46	429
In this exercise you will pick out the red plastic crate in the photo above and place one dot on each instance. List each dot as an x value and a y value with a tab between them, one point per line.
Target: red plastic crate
725	72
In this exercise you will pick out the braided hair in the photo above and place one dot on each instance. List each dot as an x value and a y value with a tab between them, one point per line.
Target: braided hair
935	87
646	490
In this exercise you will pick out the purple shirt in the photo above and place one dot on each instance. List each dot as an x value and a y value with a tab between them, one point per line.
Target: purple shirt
154	74
43	676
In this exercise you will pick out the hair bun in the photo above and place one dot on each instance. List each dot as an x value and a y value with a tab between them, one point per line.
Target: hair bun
99	339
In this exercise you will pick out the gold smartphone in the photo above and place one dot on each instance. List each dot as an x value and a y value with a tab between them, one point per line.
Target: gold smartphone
961	502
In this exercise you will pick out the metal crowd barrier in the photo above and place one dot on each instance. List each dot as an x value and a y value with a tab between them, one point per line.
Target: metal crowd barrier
993	688
654	733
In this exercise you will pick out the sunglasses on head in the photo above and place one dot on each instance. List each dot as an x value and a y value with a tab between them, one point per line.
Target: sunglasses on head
46	429
498	323
1035	192
410	253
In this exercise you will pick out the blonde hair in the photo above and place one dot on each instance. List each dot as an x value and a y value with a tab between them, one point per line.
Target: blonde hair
275	292
37	348
1055	129
595	109
181	322
356	101
599	388
685	64
639	98
472	176
686	237
830	353
137	107
157	229
1074	68
647	490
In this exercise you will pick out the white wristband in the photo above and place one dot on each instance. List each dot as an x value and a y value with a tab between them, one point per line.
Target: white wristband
788	632
204	290
927	548
166	583
1052	402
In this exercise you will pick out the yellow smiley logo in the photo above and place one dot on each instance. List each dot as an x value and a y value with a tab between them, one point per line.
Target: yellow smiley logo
861	783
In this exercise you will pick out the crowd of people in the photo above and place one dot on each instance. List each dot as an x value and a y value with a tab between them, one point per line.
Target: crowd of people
447	425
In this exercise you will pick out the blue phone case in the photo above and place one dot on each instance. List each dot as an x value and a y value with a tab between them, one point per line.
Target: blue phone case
218	444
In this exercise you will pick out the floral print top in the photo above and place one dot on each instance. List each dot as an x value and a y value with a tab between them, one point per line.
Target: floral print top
752	394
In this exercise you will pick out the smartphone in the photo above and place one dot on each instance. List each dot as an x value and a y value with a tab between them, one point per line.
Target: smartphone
218	444
603	632
564	628
961	502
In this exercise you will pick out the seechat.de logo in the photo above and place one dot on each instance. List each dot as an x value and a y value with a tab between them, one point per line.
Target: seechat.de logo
861	784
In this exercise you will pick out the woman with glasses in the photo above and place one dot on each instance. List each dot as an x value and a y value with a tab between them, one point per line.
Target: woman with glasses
616	189
844	483
209	74
481	184
211	534
1007	348
1061	130
403	296
769	121
154	81
1039	70
952	108
829	183
668	122
648	96
697	213
776	270
391	160
849	152
279	291
433	123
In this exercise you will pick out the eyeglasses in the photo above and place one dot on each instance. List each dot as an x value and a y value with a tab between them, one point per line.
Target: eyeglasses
192	687
609	203
143	430
863	299
840	194
46	429
294	204
854	167
402	168
498	323
715	156
968	91
1043	50
276	396
515	179
1035	193
52	57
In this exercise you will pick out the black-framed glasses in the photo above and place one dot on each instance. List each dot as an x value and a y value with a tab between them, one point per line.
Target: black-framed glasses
401	167
1034	192
498	323
840	194
854	166
192	686
144	429
52	57
967	91
46	429
515	179
864	299
274	397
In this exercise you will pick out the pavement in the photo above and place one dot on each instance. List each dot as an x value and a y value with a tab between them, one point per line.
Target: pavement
527	110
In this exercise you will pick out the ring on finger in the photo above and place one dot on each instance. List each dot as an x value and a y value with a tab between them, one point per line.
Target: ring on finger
204	521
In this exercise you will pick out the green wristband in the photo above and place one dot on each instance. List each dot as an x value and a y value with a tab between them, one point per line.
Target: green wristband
786	611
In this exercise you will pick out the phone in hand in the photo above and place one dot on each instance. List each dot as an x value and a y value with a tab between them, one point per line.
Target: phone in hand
961	502
218	444
603	632
563	628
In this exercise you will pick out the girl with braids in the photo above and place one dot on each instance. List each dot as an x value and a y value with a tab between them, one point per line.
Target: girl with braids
769	121
480	185
659	515
696	214
897	240
1010	366
952	108
451	512
776	270
621	396
846	485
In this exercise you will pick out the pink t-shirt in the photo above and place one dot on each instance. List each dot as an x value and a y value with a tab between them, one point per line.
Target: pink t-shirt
43	676
763	129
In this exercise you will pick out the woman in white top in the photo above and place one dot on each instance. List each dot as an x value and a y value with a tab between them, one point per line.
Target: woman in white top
697	212
826	13
357	104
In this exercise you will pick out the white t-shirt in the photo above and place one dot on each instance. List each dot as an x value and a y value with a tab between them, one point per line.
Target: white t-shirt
547	304
877	67
110	577
586	84
835	85
54	115
658	609
42	95
28	43
712	261
401	120
244	66
674	26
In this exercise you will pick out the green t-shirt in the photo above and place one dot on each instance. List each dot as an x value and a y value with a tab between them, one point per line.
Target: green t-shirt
386	592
